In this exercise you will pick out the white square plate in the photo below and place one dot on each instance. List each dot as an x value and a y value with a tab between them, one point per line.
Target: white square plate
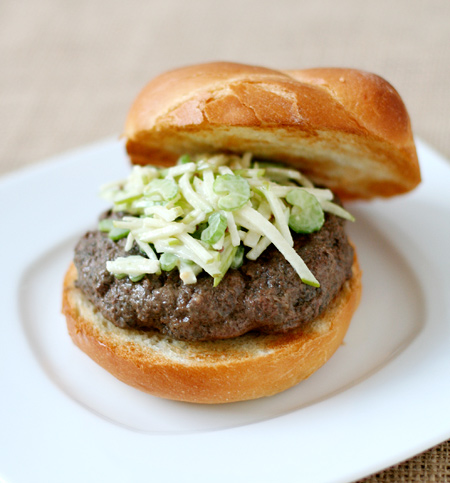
382	398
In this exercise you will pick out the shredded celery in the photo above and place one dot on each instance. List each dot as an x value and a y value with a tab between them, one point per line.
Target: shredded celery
168	261
217	224
208	212
161	189
307	213
252	219
234	191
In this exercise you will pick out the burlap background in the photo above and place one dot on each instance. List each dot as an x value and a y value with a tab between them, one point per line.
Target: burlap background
69	70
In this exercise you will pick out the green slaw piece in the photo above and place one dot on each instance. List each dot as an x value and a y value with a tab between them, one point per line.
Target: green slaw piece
168	261
107	226
217	224
234	191
161	189
306	214
210	212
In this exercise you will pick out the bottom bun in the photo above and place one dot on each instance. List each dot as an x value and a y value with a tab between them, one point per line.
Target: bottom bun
246	367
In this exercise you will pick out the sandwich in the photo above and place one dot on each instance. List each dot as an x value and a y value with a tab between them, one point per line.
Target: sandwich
222	271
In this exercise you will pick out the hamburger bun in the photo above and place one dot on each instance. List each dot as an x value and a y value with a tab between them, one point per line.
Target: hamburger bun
345	129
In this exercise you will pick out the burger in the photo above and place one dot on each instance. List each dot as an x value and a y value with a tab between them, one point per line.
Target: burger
222	271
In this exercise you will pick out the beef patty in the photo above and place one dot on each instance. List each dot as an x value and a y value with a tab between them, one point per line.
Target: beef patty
265	295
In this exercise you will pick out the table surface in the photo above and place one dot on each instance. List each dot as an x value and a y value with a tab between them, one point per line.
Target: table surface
71	69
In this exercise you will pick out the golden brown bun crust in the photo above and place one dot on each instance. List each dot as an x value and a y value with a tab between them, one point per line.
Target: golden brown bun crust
238	369
347	129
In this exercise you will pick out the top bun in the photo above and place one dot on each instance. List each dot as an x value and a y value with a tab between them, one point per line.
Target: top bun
346	129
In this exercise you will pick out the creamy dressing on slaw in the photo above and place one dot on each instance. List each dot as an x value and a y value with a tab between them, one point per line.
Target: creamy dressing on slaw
201	214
